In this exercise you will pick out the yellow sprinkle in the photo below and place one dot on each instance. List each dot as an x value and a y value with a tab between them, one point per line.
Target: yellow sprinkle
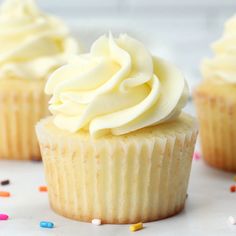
136	227
234	178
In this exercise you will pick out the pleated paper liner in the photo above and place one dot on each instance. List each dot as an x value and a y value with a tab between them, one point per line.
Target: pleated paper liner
216	110
142	176
22	105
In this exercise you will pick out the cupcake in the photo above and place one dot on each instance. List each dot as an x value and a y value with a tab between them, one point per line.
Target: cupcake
32	45
215	100
117	147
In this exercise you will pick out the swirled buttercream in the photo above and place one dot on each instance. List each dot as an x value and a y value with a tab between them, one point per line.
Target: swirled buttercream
116	88
222	67
32	44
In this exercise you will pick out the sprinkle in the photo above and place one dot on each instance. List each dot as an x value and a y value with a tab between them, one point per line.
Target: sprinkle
196	156
43	189
234	178
4	217
5	182
96	222
233	188
232	220
136	227
4	194
46	224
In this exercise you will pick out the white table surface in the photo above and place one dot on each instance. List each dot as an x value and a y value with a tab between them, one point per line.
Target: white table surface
208	206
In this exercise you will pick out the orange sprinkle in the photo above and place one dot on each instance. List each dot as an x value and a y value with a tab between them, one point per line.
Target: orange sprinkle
233	188
43	189
4	194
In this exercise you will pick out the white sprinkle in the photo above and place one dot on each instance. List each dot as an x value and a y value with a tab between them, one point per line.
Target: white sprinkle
96	222
232	220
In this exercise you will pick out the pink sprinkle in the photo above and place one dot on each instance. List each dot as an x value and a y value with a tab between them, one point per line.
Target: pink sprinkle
3	217
196	156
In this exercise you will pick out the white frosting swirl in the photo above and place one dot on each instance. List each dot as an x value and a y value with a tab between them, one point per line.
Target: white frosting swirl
32	44
222	68
118	87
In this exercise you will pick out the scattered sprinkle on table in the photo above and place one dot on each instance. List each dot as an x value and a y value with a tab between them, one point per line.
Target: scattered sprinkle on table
46	224
43	189
196	156
5	182
233	188
136	227
232	220
4	217
4	194
96	222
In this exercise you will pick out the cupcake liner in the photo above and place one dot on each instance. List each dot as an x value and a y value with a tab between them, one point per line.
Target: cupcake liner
118	179
21	109
217	115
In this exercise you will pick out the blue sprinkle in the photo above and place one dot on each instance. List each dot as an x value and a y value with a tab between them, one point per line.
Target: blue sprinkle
46	224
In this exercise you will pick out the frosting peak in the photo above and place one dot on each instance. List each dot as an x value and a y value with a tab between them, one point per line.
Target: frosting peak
222	67
32	43
19	9
118	87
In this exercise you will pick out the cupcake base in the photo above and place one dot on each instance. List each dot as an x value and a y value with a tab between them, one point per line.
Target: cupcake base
216	110
142	176
114	220
22	105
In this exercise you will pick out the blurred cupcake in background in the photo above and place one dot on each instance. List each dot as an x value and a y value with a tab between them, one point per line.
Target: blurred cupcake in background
215	100
32	45
117	148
